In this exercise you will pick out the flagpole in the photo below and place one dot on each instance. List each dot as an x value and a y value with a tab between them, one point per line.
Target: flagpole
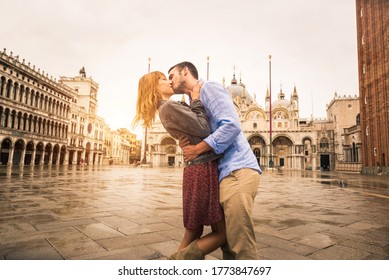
207	68
271	164
144	160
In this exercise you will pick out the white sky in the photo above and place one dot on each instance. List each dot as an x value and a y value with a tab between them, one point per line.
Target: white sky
312	42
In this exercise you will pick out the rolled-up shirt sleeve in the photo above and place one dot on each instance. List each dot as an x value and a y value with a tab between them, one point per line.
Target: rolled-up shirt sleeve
224	120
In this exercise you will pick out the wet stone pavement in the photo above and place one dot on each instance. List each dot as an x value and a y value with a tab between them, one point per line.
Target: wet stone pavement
118	212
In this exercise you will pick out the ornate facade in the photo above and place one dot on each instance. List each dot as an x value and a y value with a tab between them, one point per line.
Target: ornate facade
86	128
49	122
296	143
34	115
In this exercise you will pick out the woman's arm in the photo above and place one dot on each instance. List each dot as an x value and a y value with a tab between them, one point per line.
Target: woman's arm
189	120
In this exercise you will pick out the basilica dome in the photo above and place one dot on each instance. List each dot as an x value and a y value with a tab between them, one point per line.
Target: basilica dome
281	102
238	90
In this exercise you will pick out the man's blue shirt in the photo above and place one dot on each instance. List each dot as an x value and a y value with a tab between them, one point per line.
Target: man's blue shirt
227	136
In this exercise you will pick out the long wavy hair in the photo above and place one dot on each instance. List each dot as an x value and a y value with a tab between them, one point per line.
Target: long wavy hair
148	97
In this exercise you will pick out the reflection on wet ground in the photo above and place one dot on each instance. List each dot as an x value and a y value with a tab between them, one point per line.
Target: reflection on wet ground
357	182
120	212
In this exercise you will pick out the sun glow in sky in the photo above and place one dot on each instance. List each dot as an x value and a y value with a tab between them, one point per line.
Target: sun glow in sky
313	45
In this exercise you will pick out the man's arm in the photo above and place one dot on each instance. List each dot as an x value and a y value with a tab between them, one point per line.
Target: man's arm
219	105
193	151
225	123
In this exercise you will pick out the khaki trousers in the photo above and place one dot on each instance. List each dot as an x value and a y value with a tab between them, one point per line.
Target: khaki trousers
237	193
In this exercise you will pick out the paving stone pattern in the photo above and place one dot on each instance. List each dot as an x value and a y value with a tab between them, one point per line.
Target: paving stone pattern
118	212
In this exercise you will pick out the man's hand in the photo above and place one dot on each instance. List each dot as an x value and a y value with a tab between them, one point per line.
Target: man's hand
190	152
195	94
193	151
183	141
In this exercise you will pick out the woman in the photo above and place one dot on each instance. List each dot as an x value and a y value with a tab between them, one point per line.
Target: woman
200	190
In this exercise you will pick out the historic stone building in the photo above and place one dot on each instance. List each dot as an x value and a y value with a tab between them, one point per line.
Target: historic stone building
343	115
34	115
45	122
296	143
49	122
130	139
373	65
87	129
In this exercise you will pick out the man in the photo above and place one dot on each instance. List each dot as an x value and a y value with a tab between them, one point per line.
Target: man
238	168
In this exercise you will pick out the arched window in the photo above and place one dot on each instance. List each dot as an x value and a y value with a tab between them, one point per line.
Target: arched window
30	124
15	91
354	153
32	98
21	94
2	85
8	89
25	121
40	125
46	104
1	116
27	95
13	119
19	120
41	102
324	143
37	100
6	117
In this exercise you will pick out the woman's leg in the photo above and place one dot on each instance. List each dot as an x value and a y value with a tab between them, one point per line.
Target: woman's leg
198	248
189	237
213	240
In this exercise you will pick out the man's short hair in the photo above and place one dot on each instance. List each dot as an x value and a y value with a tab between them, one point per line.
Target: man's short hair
192	69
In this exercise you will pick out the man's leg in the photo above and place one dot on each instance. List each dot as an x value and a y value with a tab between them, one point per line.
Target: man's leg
237	193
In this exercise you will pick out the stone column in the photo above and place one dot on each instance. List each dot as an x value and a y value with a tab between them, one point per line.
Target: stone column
10	156
66	158
83	155
17	94
42	159
58	158
51	157
21	163
74	159
314	162
32	163
90	159
21	122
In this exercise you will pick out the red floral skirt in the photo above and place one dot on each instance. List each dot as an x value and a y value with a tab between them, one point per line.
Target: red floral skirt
200	195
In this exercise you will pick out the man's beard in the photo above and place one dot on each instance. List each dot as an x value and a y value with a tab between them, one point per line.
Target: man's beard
181	88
